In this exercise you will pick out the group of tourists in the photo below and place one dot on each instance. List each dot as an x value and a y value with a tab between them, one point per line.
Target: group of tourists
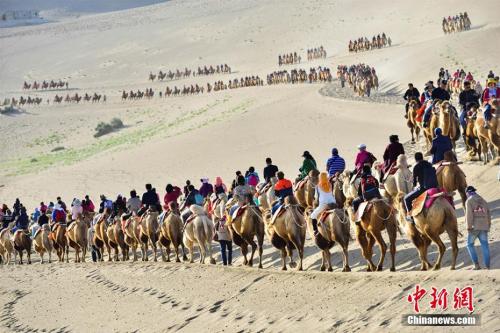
185	73
320	74
243	82
457	23
211	70
44	85
289	59
148	93
364	44
361	78
316	53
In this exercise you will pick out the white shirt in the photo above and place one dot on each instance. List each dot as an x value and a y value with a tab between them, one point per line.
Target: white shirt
324	198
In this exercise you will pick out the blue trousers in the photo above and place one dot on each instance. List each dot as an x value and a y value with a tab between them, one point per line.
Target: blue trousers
412	196
487	112
463	122
485	249
427	113
227	258
275	207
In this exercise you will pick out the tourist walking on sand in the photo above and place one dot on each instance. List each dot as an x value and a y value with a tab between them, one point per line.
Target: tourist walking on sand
478	219
225	242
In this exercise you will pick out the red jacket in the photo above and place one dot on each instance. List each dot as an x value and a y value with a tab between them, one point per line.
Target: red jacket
283	184
486	94
172	196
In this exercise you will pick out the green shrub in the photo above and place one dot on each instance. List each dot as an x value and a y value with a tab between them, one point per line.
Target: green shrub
106	128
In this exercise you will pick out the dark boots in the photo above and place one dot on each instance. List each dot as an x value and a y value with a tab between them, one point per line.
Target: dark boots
315	227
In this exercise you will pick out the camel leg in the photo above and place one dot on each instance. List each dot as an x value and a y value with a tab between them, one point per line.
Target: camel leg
289	250
209	248
184	256
328	259
67	253
155	255
254	248
134	250
322	268
436	239
260	243
108	248
300	248
345	254
244	252
452	231
20	257
412	137
463	196
77	255
383	248
84	252
201	246
162	253
283	259
366	243
145	251
28	254
392	231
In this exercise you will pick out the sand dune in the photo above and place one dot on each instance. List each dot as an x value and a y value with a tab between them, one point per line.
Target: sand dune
111	46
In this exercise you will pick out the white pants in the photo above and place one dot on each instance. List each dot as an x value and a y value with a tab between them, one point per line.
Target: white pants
318	210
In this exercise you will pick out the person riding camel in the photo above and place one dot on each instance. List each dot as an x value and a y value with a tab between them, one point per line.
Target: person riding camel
43	218
440	145
22	220
133	203
76	209
269	171
193	198
58	216
251	177
391	153
308	165
368	188
363	158
487	111
424	178
466	98
149	200
206	189
411	93
335	164
119	206
241	193
325	199
105	203
16	208
282	189
441	92
88	205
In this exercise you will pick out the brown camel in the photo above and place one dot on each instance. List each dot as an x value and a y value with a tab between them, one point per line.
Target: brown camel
304	190
60	241
149	229
244	228
100	234
451	178
171	233
369	230
133	236
7	245
448	122
489	138
430	223
43	243
334	227
116	239
338	192
22	242
433	124
412	123
77	238
288	230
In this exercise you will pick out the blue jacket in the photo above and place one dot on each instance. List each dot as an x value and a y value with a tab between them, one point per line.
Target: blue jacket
440	145
335	164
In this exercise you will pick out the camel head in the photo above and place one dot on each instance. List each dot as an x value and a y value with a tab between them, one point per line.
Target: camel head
399	201
402	162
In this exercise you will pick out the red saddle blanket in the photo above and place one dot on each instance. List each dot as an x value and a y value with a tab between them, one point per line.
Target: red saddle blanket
426	199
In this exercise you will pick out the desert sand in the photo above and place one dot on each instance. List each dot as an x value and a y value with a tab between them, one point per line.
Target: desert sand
107	48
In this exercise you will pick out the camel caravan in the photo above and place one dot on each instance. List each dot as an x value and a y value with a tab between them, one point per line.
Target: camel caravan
457	23
316	53
57	100
320	74
455	81
373	199
185	73
45	85
361	78
289	59
364	44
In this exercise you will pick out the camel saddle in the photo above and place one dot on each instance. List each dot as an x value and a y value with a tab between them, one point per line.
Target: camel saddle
300	185
441	165
278	213
37	232
426	199
364	208
393	169
191	218
239	211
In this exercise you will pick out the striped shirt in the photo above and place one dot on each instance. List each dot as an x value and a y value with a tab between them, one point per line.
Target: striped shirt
335	164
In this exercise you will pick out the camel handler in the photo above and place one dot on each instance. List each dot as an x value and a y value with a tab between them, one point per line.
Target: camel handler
478	219
424	175
282	189
241	193
325	199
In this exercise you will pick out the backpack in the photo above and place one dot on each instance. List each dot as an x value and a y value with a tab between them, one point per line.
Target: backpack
60	215
369	184
198	199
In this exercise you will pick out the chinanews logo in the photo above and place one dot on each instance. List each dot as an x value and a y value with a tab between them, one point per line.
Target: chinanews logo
458	300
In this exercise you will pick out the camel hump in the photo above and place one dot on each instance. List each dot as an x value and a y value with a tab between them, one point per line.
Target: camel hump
197	210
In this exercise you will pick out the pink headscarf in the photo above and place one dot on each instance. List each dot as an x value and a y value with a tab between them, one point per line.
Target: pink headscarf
218	181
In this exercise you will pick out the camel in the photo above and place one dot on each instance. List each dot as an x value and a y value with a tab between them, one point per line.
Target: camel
171	233
149	229
100	234
349	188
287	231
199	230
429	225
77	237
116	239
400	181
334	228
304	190
133	236
489	138
22	242
60	241
338	192
433	124
369	230
7	245
413	123
266	192
451	178
471	137
43	243
448	122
